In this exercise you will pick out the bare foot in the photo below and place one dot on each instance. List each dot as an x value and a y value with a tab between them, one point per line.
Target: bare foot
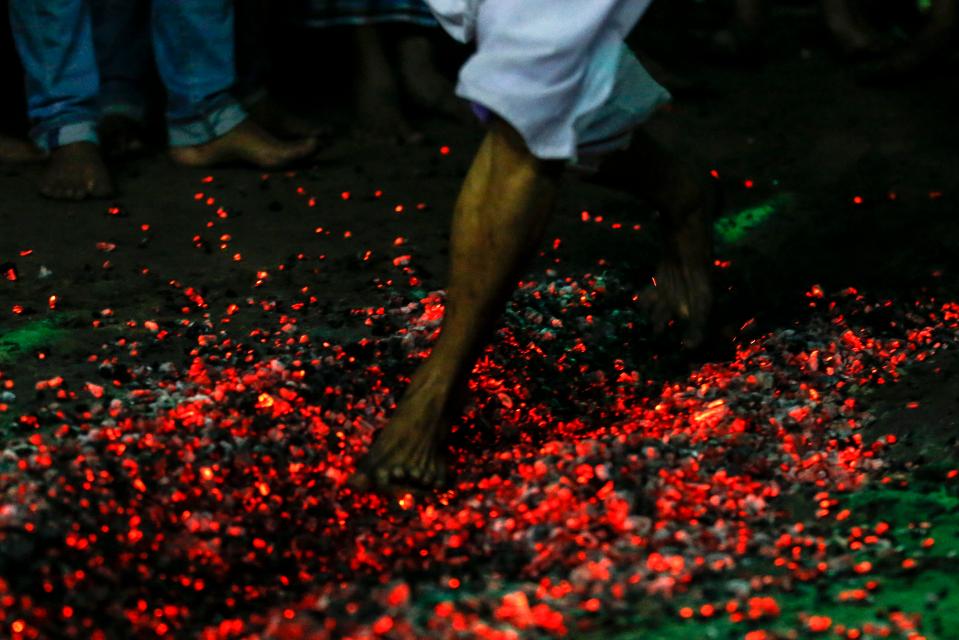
409	450
380	113
424	84
18	151
280	121
75	172
120	135
248	143
683	288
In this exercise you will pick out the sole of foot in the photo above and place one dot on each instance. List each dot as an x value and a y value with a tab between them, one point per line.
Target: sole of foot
247	143
76	172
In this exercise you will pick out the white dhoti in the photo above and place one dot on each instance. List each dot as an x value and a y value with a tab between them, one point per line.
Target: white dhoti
556	70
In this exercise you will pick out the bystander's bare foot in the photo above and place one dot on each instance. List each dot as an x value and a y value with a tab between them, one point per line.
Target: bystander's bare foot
75	172
247	143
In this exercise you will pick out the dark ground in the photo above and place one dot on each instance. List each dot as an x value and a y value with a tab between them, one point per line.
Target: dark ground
800	128
806	135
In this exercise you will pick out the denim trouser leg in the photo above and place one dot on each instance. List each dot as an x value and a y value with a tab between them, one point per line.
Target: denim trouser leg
121	36
193	42
55	43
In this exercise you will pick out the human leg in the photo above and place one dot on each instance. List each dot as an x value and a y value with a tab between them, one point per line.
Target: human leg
193	43
551	87
253	65
688	205
377	89
55	43
121	38
499	219
423	82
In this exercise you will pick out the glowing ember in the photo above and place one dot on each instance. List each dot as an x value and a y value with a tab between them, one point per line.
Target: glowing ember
217	490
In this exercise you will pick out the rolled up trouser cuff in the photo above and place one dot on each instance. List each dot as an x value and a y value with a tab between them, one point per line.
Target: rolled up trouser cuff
49	137
214	124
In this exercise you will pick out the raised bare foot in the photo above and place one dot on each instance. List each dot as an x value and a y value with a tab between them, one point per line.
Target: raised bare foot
120	135
683	289
280	121
248	143
18	151
408	452
76	171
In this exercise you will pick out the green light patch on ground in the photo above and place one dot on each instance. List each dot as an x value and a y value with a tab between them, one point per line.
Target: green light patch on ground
38	334
734	228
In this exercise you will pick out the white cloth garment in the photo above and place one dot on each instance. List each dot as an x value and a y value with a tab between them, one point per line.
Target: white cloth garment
556	70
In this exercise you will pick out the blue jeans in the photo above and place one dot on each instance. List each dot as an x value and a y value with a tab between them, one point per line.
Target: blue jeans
193	45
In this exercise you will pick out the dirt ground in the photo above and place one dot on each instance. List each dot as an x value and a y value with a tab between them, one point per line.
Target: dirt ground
828	182
797	135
